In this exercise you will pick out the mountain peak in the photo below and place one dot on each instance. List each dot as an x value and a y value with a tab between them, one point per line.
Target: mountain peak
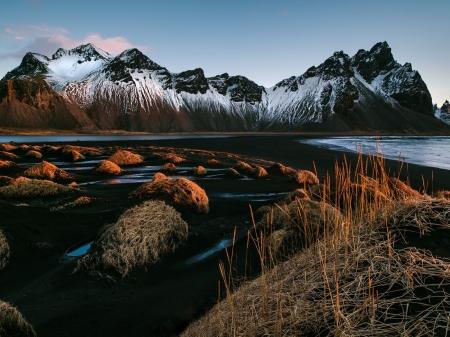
371	63
86	52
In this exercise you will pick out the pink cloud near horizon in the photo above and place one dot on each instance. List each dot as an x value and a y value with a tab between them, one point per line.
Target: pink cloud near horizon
46	40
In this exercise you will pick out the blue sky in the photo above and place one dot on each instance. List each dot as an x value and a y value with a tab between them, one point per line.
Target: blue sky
266	41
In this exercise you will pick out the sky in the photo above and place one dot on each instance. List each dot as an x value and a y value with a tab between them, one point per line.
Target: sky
265	41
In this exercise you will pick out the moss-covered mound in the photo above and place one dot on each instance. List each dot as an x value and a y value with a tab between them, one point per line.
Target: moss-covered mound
143	234
180	191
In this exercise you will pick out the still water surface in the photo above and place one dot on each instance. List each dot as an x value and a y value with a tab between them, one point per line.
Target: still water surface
432	151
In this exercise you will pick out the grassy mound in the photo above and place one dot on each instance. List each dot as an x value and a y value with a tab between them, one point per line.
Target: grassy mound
33	188
7	163
4	181
180	191
374	270
213	162
74	155
259	173
33	154
306	178
123	157
299	193
159	176
232	173
47	170
243	167
107	167
199	171
12	322
8	155
168	167
280	170
142	235
7	147
173	158
4	251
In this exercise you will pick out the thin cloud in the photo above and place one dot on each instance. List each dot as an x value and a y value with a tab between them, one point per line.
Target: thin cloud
46	40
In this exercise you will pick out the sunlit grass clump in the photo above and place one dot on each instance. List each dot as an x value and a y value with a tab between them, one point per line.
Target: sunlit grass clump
142	235
348	265
33	188
12	323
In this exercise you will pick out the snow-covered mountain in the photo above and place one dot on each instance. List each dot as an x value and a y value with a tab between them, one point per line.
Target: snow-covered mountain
129	91
443	113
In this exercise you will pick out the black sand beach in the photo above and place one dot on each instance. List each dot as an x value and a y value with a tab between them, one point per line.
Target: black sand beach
157	300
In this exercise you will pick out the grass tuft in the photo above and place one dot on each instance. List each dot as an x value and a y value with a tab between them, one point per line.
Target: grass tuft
12	322
33	188
4	251
142	235
124	157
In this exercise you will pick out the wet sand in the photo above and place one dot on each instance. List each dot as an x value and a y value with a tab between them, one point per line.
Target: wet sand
158	300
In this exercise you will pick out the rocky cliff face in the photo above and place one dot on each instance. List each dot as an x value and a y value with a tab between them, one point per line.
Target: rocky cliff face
89	88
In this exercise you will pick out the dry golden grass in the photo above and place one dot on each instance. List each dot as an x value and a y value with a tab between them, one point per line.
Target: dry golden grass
7	147
259	173
403	191
299	193
33	154
4	251
357	276
85	151
444	194
124	157
74	155
243	167
7	163
168	167
12	322
306	178
142	235
232	173
81	201
281	170
33	188
8	155
179	191
199	171
173	158
107	167
73	184
159	176
24	147
47	170
213	162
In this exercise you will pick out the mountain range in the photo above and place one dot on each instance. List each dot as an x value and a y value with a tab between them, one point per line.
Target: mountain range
87	89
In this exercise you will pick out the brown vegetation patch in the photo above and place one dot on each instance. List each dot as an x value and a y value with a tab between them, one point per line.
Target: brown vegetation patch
33	154
24	147
179	191
259	173
143	234
444	194
243	167
159	176
4	251
107	167
12	322
199	171
173	158
73	184
299	193
280	170
7	147
124	157
73	155
232	173
168	167
32	188
47	170
306	178
7	163
213	162
8	155
403	191
81	201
